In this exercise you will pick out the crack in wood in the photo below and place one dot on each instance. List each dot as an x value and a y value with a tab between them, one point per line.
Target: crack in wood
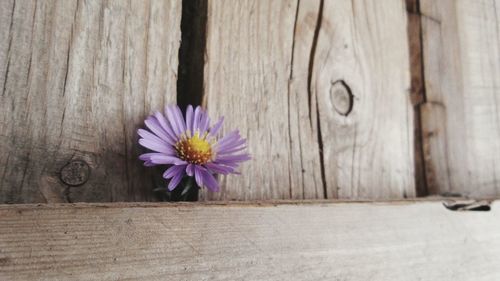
309	90
8	49
417	92
312	54
290	81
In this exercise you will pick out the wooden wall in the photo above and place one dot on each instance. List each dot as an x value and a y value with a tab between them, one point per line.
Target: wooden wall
338	99
283	72
77	79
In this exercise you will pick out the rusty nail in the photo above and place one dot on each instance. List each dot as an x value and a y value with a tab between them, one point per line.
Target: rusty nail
75	173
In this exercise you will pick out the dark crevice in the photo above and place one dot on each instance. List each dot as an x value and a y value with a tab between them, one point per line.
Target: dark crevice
67	63
415	34
321	156
192	53
28	74
290	79
191	70
293	39
8	48
6	76
423	190
312	56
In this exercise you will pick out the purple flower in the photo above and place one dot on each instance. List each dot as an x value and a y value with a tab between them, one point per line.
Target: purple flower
191	146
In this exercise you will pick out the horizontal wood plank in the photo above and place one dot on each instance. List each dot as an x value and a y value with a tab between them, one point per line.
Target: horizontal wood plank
315	241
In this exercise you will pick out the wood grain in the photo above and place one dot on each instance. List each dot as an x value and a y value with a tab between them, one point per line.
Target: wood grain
461	118
77	79
270	68
247	73
340	241
368	153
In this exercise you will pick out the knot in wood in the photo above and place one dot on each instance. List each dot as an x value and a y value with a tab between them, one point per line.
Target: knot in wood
342	97
75	173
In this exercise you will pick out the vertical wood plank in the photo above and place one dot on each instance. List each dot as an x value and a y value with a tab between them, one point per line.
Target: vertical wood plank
78	78
271	69
248	64
461	118
368	153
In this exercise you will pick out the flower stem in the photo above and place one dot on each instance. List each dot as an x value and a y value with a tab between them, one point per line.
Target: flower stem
187	190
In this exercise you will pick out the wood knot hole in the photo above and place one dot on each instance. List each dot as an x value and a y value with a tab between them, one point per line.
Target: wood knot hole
342	97
75	173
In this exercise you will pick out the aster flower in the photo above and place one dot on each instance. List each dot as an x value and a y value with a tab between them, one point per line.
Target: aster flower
191	146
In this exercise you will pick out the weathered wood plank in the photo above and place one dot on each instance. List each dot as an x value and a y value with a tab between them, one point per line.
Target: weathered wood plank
77	79
461	119
248	67
270	67
369	152
340	241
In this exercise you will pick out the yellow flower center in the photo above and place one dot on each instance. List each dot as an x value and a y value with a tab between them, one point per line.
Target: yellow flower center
194	150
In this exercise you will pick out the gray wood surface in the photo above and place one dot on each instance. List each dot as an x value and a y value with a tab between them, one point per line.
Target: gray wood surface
77	78
321	89
273	68
461	118
314	241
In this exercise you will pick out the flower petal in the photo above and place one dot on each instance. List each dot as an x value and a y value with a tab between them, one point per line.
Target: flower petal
218	168
180	119
232	136
230	150
230	145
198	175
231	164
189	119
172	118
174	170
147	156
234	158
155	127
196	120
175	181
209	180
204	123
165	159
149	136
190	170
157	146
166	126
215	129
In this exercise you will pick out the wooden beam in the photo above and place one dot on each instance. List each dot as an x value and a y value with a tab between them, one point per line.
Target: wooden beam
314	241
77	78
